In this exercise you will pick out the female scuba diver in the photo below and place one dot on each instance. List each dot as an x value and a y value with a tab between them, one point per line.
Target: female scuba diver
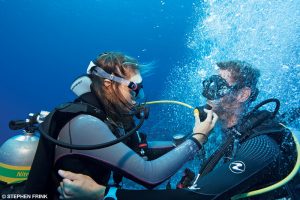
108	94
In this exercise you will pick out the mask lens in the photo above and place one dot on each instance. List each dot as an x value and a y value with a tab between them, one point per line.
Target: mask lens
137	88
215	87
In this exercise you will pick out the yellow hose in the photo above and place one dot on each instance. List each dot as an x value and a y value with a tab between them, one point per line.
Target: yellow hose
169	102
280	183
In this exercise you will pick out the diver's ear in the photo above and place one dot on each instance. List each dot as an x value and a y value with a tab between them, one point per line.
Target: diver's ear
107	82
244	94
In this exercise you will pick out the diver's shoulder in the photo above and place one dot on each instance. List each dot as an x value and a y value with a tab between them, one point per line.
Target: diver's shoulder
86	117
87	121
261	138
90	125
261	141
261	146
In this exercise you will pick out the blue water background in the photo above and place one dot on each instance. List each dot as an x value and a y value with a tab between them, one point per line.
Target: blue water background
44	45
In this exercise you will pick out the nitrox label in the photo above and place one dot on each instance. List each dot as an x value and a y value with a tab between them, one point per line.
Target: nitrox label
13	174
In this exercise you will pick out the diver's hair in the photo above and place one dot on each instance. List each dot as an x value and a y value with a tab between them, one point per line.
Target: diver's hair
120	65
244	74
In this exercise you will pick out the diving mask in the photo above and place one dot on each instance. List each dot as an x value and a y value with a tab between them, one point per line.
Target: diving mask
216	87
135	83
137	87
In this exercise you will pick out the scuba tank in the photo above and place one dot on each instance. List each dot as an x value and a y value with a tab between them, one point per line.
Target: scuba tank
16	156
17	153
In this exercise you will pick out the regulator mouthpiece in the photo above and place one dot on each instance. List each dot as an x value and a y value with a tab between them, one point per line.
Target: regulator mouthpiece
201	113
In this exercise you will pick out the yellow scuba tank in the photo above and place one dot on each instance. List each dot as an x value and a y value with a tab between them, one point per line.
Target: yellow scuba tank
16	156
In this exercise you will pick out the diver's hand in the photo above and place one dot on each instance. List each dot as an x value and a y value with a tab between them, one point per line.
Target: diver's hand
79	186
204	127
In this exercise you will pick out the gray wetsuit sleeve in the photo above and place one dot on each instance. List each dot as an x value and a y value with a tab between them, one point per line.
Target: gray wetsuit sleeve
88	130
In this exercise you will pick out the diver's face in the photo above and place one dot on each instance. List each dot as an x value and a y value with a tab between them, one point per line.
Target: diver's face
128	93
228	103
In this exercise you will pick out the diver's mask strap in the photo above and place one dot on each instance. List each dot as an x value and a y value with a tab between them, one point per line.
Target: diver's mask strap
93	68
136	87
103	74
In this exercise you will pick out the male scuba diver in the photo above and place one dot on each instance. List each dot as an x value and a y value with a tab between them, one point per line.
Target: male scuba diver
257	150
102	113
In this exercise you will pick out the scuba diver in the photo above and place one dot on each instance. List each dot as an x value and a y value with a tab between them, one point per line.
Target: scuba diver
103	113
256	152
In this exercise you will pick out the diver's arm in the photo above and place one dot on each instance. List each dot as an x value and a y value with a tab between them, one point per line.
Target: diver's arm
259	156
88	130
156	149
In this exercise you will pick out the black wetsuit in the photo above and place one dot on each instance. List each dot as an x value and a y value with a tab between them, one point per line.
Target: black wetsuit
260	160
